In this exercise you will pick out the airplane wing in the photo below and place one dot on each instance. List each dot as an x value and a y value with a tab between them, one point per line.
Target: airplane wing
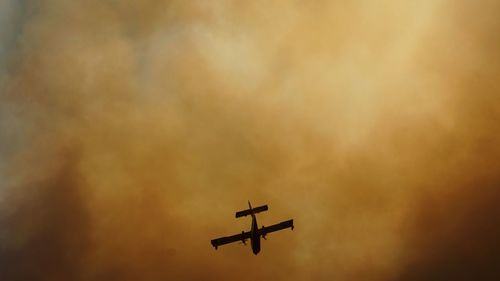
230	239
275	227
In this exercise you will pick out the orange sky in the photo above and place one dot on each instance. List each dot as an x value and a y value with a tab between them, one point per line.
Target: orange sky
130	133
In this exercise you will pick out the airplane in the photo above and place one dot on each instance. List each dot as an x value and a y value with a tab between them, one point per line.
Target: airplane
255	233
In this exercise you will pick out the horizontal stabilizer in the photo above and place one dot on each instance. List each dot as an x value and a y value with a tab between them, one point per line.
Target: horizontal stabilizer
249	211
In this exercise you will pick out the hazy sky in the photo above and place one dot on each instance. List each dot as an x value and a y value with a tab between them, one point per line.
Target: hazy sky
131	131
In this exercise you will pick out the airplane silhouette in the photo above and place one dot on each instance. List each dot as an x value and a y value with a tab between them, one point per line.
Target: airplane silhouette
255	233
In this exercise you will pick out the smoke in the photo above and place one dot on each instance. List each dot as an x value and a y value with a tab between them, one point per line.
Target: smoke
131	132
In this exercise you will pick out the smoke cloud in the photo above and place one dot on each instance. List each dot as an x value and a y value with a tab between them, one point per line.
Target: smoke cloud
130	133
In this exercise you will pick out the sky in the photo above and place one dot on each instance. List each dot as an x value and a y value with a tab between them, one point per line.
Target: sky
132	131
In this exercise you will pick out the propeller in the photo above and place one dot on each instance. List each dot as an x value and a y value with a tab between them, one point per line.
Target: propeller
264	235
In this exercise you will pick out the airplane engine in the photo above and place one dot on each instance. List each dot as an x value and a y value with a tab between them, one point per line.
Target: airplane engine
244	241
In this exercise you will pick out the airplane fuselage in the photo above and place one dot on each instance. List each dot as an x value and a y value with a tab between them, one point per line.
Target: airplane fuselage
255	237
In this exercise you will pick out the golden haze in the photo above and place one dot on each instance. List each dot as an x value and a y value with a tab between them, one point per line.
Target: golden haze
131	131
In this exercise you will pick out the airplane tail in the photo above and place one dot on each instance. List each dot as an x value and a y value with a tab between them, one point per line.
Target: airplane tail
250	210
